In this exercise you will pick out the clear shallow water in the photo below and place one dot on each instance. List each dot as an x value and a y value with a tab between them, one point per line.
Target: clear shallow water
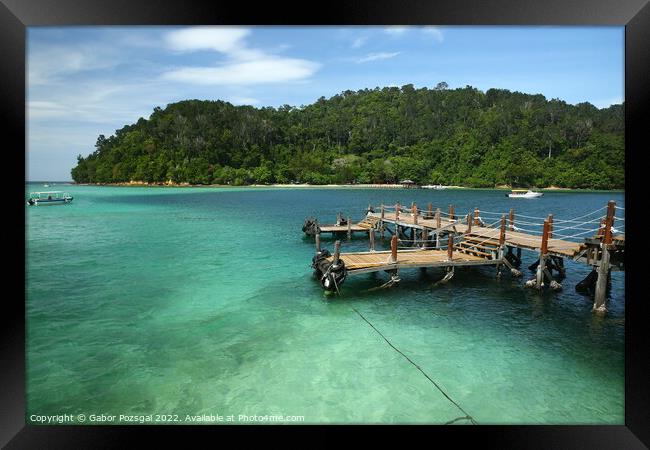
201	301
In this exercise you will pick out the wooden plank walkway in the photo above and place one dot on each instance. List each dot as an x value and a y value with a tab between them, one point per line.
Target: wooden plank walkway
342	228
365	262
362	227
516	239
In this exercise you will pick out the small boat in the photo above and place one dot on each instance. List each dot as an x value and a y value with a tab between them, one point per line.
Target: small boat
49	198
524	193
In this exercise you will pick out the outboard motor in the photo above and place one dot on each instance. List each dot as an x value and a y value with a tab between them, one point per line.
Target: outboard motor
334	276
319	263
310	227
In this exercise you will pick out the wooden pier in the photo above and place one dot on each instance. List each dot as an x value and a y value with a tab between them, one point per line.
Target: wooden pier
356	228
431	238
341	226
366	262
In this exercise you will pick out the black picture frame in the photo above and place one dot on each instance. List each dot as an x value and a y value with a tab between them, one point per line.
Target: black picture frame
16	15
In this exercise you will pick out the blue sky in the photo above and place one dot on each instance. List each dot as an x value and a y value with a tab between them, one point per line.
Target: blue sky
86	81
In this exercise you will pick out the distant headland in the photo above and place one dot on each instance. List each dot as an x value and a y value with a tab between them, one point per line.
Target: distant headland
372	137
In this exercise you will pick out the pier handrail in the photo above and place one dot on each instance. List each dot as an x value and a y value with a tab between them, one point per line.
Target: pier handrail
459	237
498	214
578	226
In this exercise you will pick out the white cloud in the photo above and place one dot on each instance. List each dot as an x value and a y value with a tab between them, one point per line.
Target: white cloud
265	70
358	42
377	57
49	62
45	110
243	101
396	30
435	32
220	39
244	65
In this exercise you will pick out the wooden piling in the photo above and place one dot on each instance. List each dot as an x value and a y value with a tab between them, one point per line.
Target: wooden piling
424	236
477	214
437	217
349	227
512	219
603	268
544	247
469	222
601	282
539	279
609	221
451	212
337	252
317	242
450	245
397	208
414	211
371	236
542	256
550	225
430	210
502	231
393	248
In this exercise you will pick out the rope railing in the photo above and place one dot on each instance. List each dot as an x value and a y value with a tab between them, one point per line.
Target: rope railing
493	213
579	225
458	237
527	230
490	213
558	230
573	236
523	222
594	220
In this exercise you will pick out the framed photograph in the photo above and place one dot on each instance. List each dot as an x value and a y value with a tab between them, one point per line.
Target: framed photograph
381	214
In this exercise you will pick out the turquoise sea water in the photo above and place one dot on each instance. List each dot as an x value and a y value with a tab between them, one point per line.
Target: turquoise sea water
145	301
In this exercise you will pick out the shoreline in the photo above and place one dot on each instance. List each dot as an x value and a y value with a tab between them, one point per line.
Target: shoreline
333	186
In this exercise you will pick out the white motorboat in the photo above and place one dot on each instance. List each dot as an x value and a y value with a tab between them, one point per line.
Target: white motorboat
524	193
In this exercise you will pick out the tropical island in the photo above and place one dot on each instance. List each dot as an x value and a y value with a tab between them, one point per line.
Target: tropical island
461	137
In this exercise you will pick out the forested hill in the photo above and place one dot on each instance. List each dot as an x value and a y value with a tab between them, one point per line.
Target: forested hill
450	136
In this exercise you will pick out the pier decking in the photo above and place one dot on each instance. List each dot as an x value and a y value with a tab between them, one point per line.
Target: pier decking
341	226
440	239
366	262
356	228
515	239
